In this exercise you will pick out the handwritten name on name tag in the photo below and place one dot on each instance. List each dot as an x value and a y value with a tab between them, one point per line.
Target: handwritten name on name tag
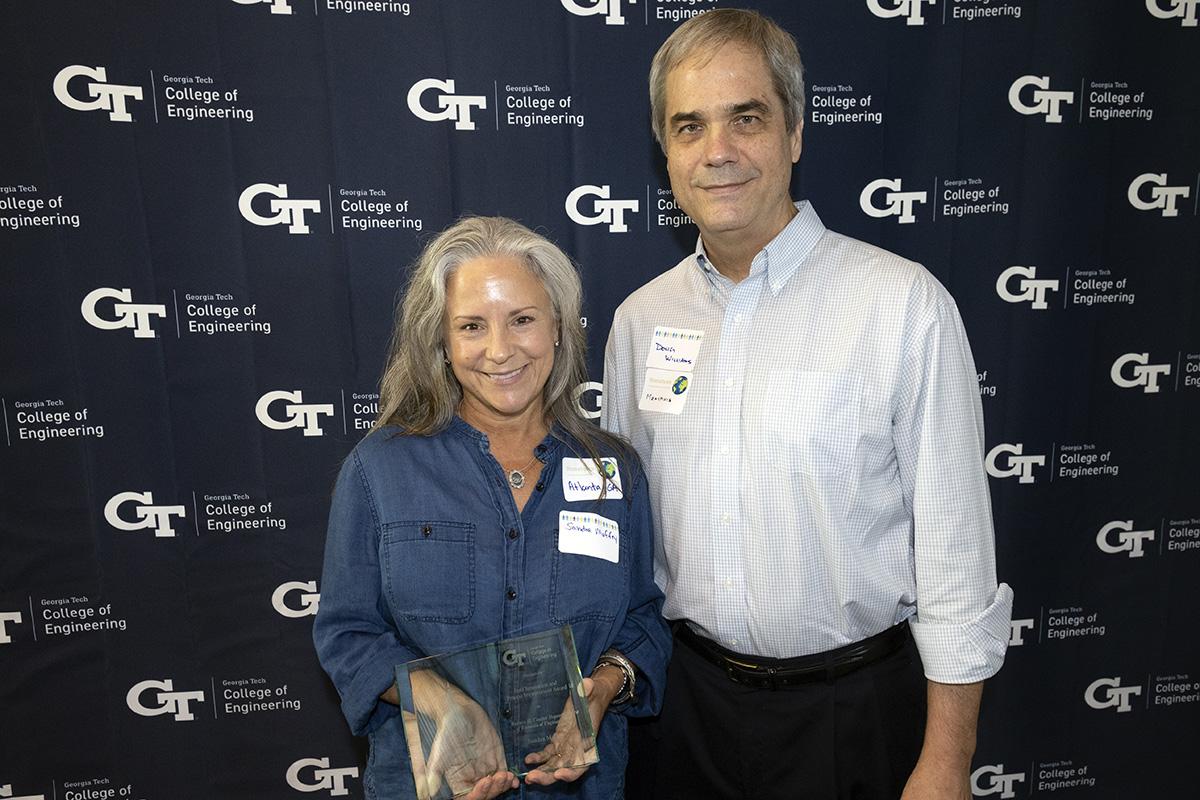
669	365
581	481
674	349
589	535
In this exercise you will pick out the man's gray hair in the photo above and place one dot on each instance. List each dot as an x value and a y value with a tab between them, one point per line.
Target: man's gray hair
703	34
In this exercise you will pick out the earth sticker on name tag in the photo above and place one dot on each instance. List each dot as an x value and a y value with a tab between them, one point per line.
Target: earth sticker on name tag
589	535
664	391
674	349
581	482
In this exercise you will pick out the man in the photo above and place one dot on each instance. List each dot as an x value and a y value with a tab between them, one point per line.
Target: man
806	406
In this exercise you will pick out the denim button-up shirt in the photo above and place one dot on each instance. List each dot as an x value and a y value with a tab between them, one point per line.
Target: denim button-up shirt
427	553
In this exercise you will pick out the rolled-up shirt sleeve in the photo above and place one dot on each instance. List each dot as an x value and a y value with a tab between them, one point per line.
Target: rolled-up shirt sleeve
644	637
962	622
354	633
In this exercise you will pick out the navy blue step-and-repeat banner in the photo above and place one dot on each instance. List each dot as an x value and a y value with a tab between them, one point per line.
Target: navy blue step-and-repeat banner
206	210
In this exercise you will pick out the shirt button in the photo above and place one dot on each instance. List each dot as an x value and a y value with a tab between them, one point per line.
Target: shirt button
724	451
733	642
512	533
729	583
728	382
725	519
511	594
540	486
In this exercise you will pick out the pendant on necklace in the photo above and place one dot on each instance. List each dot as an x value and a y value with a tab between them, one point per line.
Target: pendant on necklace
516	479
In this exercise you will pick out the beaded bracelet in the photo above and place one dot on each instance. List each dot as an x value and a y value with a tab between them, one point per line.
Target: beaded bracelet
614	658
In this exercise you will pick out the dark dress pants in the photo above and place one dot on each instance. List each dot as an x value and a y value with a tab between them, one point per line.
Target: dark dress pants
856	737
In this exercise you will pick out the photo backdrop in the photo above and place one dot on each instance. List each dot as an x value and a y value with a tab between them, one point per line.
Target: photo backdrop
206	210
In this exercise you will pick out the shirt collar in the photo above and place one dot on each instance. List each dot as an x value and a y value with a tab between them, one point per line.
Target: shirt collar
543	451
781	256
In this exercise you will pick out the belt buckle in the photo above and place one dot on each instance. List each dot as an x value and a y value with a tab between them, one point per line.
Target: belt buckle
731	672
741	675
754	677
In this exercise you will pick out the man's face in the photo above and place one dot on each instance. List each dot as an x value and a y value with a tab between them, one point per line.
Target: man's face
729	152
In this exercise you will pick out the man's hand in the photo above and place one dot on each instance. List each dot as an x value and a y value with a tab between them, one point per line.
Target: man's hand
944	768
936	782
566	746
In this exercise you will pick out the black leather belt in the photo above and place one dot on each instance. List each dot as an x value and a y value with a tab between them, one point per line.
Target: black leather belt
776	673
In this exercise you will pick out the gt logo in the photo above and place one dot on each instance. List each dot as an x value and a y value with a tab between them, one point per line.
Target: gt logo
1018	464
512	658
1044	101
308	602
610	8
6	617
333	780
126	313
1161	196
1144	373
1175	8
997	781
588	387
899	204
148	515
1113	695
610	212
284	211
1128	540
297	414
1016	636
169	701
453	106
277	6
902	8
110	97
1030	290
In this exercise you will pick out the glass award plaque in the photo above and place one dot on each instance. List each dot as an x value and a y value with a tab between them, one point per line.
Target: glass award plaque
516	705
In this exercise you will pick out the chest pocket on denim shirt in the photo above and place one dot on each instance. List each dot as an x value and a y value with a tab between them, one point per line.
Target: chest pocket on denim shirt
814	427
588	588
429	570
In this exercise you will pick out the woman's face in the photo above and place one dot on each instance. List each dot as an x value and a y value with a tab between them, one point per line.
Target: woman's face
500	333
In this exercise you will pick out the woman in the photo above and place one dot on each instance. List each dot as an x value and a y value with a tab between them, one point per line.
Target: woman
445	527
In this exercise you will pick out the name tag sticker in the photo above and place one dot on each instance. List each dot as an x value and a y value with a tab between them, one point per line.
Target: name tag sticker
674	349
665	391
581	481
589	535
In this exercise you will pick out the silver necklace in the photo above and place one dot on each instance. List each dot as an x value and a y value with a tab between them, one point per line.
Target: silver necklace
516	477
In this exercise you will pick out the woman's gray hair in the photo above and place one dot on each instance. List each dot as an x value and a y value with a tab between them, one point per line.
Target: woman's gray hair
703	34
418	391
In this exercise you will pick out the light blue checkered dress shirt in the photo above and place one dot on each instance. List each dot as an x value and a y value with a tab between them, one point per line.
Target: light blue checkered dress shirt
825	478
